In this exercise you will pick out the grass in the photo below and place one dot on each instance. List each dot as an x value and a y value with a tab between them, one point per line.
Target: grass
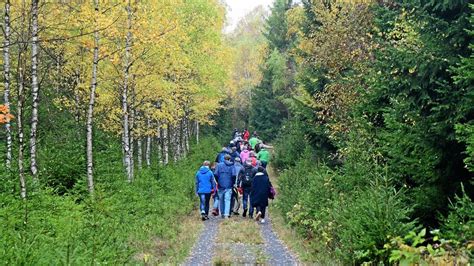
287	234
239	230
237	236
175	250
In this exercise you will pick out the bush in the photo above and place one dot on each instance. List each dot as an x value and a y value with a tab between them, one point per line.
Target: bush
120	222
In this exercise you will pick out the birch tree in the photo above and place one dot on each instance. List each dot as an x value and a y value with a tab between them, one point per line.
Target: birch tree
125	106
90	110
6	70
34	88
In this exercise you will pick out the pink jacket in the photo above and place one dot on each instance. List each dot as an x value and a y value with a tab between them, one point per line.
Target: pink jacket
244	155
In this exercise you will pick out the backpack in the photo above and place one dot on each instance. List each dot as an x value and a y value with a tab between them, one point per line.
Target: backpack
247	179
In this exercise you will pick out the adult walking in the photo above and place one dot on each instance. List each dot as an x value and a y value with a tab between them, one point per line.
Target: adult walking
225	176
246	135
263	156
235	202
246	176
205	184
254	140
260	192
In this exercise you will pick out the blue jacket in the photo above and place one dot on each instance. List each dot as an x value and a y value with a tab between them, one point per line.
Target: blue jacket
204	180
225	174
220	156
238	167
234	155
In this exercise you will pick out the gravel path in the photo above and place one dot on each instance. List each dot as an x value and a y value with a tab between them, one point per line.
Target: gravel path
203	249
277	253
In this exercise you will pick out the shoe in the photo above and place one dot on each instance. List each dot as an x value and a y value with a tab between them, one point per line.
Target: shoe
244	214
236	213
262	221
258	216
203	217
206	217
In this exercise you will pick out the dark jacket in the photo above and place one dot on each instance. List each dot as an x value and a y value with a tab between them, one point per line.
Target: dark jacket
204	180
251	171
225	174
260	190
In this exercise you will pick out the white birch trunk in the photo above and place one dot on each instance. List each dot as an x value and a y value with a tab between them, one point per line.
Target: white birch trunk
125	107
19	120
197	131
165	143
186	135
148	144
159	144
6	70
139	153
34	88
90	110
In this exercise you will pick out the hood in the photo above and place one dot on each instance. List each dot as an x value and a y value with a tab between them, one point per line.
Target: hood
245	151
228	163
204	170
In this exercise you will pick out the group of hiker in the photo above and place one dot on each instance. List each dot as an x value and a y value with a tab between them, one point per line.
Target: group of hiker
238	174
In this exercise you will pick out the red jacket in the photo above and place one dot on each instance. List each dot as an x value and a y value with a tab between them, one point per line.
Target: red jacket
246	135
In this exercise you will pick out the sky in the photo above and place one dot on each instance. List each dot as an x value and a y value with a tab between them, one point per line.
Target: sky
237	9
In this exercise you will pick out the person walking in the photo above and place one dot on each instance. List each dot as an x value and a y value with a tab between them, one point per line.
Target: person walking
235	203
253	157
260	192
234	153
246	176
263	156
205	184
244	155
225	176
254	140
215	210
246	135
221	154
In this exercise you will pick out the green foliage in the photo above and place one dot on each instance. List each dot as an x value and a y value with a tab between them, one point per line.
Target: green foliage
290	145
458	225
342	221
267	102
120	224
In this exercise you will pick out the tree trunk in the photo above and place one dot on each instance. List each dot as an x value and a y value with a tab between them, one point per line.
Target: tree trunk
19	120
148	144
174	142
197	131
34	88
6	70
90	111
125	107
159	144
139	153
186	135
165	143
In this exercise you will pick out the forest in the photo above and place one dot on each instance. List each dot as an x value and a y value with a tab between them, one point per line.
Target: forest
110	107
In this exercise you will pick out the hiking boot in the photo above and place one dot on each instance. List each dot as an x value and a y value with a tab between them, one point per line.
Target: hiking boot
259	214
244	214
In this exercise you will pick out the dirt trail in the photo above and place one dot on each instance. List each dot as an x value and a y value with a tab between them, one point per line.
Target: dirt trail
241	241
